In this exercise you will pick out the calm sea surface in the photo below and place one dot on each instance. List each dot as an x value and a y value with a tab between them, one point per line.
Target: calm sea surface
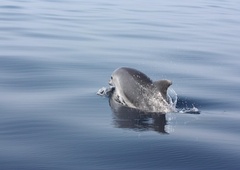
56	54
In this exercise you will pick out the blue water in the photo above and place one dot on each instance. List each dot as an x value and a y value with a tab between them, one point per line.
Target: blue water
56	54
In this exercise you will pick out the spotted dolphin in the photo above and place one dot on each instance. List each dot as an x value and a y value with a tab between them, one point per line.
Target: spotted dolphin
134	89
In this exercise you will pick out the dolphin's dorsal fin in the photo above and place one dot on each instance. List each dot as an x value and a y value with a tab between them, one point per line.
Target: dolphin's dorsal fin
162	86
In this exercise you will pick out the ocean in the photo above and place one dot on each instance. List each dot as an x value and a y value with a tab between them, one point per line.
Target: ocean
56	54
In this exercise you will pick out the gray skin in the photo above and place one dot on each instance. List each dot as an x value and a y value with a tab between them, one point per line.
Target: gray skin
136	90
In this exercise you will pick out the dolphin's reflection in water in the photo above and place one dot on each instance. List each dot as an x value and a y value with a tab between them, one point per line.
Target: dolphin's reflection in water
131	118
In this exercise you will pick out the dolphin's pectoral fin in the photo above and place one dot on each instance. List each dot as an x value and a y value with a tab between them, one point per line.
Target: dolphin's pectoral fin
162	86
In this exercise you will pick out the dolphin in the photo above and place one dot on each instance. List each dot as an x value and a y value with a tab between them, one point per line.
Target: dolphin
134	89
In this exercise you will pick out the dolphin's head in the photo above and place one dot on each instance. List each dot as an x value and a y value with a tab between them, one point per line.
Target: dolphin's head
116	75
112	81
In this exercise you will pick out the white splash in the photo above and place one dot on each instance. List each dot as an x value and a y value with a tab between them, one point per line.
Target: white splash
192	110
105	91
172	98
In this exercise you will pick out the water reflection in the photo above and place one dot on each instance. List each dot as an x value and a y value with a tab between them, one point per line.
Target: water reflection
125	117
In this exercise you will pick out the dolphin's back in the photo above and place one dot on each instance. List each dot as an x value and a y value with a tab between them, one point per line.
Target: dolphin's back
138	76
